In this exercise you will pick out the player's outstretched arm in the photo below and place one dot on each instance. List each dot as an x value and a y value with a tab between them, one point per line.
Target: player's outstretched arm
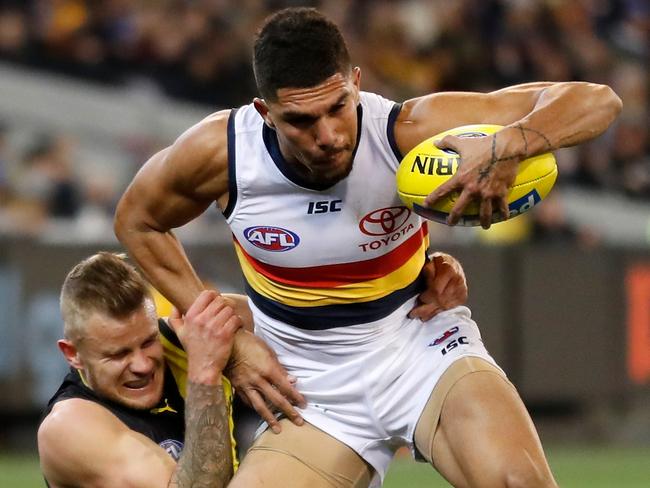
564	113
537	118
172	188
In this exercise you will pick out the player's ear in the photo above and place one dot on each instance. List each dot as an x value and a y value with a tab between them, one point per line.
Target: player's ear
263	109
356	76
356	80
70	352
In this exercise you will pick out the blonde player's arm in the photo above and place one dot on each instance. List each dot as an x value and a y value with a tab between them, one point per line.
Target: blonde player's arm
82	444
207	333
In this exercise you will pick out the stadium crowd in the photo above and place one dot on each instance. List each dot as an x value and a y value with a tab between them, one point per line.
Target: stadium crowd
200	51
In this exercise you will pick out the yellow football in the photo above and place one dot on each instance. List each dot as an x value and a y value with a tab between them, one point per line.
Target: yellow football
426	167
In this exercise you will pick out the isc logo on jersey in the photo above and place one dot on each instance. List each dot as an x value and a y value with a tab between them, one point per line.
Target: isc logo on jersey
274	239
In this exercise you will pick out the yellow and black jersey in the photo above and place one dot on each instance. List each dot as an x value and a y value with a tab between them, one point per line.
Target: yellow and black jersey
165	423
176	360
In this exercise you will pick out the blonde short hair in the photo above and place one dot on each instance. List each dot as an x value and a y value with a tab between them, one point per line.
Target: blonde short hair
103	283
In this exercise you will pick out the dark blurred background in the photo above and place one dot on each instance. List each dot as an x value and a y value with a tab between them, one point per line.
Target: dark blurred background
89	89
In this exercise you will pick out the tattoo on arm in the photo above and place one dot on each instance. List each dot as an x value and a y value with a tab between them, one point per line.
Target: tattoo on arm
523	130
485	172
206	461
523	135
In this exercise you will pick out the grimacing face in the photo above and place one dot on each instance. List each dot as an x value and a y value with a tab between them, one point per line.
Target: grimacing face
317	126
123	358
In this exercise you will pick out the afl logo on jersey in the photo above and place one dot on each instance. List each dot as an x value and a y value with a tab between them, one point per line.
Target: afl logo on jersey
384	221
173	448
274	239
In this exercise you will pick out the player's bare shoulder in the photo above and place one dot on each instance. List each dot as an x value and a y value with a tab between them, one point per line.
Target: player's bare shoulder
179	182
69	436
72	417
421	117
198	159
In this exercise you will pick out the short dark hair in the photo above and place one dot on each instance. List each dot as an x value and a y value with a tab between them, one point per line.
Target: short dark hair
297	48
103	283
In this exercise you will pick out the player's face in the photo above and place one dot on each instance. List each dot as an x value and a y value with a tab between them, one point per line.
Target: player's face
123	358
317	126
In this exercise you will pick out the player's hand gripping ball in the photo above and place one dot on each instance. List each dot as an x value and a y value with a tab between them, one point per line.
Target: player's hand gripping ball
426	167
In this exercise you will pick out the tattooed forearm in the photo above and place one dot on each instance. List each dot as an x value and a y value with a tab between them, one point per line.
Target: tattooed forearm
523	136
494	160
523	130
206	461
485	172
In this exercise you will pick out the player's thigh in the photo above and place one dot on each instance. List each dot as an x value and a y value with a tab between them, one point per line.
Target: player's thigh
476	430
301	457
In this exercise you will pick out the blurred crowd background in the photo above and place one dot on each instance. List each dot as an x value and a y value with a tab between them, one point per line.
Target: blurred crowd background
89	89
198	51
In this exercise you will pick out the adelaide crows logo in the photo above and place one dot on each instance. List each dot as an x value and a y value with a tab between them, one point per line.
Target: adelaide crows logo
173	447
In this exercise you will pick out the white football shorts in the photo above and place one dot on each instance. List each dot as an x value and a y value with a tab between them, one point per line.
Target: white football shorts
367	384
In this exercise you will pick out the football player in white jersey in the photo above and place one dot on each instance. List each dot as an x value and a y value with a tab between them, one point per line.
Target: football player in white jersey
333	263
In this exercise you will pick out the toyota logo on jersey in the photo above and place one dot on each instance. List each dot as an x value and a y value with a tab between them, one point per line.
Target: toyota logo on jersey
274	239
384	221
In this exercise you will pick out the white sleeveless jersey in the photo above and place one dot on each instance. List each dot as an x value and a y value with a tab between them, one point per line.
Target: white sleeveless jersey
316	259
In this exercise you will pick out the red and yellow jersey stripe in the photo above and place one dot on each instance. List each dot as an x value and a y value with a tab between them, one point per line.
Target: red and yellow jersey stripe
337	294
